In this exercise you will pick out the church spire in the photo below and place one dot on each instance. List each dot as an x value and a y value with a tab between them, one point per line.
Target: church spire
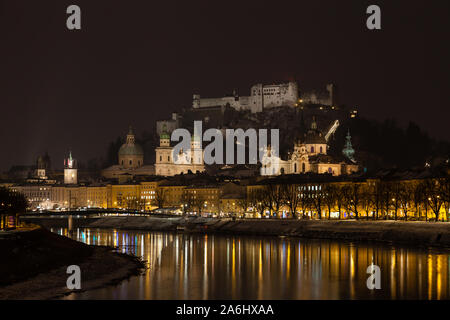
314	124
348	150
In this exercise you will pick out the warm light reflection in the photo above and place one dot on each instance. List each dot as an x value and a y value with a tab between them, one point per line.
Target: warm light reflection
194	266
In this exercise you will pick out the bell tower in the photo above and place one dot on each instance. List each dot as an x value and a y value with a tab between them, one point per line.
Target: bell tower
70	170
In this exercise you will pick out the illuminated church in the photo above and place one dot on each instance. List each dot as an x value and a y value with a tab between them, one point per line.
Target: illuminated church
188	160
310	155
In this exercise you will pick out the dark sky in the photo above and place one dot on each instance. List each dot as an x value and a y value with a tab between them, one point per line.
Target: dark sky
135	62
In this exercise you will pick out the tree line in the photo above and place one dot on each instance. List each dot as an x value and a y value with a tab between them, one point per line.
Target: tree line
427	199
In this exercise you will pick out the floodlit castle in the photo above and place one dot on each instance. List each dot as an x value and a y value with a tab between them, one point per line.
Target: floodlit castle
261	97
310	155
189	160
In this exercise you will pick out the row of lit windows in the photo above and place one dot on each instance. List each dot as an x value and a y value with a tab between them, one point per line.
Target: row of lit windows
310	188
205	191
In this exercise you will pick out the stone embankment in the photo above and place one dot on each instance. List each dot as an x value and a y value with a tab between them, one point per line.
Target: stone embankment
413	233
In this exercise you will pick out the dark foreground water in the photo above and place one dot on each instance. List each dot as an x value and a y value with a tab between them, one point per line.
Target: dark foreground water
194	266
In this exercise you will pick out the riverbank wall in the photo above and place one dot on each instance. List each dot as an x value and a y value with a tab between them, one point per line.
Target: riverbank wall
412	233
408	232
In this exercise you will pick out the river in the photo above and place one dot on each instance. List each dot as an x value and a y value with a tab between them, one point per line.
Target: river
200	266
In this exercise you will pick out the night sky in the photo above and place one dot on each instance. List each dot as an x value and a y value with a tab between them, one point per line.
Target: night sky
134	62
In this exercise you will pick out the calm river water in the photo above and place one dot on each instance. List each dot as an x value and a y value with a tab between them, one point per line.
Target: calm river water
196	266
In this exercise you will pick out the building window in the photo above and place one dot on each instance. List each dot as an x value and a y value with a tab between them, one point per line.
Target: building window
320	149
160	158
295	167
303	167
131	161
312	149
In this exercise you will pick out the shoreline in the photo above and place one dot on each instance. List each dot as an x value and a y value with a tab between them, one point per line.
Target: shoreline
411	233
426	234
100	267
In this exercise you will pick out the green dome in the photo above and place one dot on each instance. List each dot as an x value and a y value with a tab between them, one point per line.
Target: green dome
164	135
131	149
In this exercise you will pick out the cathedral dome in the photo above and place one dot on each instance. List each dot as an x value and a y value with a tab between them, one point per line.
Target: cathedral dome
131	149
314	137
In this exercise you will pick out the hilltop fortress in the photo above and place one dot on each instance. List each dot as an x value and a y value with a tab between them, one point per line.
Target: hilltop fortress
267	96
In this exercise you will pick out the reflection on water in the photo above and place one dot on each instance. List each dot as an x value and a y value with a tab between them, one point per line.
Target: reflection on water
194	266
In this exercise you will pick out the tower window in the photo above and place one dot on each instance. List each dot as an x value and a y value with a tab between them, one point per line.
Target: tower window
312	149
320	149
131	162
160	158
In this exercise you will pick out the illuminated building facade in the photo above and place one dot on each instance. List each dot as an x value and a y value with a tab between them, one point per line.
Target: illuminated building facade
309	155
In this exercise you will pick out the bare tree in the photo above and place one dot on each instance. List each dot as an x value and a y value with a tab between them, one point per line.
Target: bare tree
377	198
275	193
406	198
185	199
291	197
317	202
418	199
197	201
397	190
304	200
352	198
366	196
445	194
433	194
160	197
243	203
340	200
265	197
261	202
330	194
386	197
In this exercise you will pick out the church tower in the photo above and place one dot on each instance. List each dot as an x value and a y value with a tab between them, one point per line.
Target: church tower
348	150
164	138
70	170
